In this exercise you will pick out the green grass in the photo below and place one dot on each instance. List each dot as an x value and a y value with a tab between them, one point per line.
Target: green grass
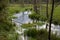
15	8
39	23
57	11
56	16
27	25
30	38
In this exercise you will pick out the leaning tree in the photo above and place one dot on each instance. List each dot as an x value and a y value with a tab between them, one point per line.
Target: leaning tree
55	3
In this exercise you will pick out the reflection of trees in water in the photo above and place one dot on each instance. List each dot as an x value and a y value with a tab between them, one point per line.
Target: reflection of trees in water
22	16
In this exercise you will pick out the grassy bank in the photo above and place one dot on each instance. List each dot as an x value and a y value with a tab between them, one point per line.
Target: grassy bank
15	8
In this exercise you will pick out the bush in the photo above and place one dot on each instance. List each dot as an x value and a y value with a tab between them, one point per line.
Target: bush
34	16
27	25
40	34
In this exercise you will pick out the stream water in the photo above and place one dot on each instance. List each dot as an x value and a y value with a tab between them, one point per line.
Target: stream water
23	17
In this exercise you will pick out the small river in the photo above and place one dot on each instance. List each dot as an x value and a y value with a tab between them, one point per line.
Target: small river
23	17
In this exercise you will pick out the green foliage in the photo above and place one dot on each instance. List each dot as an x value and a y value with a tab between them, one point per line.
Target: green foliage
6	25
34	16
57	3
56	14
30	38
27	25
3	4
40	34
56	17
43	18
3	37
14	37
14	17
16	8
3	13
31	32
13	8
39	23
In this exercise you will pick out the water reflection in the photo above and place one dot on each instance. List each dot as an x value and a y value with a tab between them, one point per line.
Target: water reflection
22	17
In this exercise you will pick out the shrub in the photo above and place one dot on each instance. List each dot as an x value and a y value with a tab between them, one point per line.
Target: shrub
40	34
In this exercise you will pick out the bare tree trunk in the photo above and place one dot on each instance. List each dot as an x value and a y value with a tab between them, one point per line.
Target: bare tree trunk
51	16
22	3
46	25
47	13
35	6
